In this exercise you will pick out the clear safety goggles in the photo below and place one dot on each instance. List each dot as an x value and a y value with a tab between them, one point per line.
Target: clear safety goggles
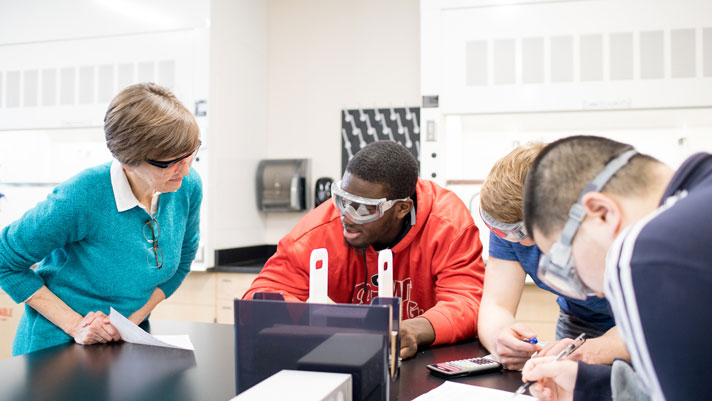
557	268
512	232
558	271
360	210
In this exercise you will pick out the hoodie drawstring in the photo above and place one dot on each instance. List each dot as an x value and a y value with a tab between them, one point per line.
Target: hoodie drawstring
365	276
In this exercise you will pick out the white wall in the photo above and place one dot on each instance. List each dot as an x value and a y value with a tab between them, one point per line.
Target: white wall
668	116
61	63
327	55
238	122
279	73
42	20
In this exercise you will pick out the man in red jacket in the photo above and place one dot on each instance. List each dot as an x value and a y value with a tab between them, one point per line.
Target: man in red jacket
381	203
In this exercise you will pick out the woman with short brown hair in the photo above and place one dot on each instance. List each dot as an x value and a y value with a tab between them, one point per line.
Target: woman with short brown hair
121	235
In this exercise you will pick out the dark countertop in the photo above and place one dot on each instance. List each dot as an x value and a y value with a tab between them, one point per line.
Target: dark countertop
248	259
126	372
415	378
236	269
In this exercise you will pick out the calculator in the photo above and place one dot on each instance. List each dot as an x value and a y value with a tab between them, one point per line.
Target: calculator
464	367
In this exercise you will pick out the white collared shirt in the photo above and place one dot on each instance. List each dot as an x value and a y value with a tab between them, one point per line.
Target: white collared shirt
124	196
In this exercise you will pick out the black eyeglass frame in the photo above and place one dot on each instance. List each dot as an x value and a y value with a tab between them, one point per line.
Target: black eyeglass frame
169	163
154	241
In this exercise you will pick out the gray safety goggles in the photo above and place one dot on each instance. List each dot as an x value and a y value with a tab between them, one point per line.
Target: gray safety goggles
512	232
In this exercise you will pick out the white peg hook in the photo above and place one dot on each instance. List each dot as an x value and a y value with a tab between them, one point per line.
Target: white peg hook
385	273
319	276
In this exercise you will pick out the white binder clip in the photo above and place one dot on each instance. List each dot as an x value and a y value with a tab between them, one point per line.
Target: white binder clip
319	276
385	273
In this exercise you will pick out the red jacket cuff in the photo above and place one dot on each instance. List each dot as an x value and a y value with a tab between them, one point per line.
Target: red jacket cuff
444	331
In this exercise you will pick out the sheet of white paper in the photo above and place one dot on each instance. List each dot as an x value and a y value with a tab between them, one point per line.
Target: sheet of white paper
134	334
176	340
452	391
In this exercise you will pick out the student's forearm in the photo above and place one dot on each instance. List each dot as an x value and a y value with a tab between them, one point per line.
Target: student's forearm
504	283
55	310
157	297
492	320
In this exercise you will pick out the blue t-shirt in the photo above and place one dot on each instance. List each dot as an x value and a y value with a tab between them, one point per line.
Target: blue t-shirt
593	310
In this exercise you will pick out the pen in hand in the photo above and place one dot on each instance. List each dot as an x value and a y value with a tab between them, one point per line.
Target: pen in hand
532	340
565	352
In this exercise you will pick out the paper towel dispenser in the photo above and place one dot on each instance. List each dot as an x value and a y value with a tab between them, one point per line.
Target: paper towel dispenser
282	185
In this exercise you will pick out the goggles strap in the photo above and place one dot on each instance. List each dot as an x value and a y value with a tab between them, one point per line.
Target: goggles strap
493	223
608	171
577	211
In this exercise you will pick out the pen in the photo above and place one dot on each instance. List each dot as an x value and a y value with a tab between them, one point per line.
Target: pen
532	340
565	352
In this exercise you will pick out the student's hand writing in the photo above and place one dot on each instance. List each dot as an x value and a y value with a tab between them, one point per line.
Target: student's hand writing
600	350
553	349
555	380
94	328
512	351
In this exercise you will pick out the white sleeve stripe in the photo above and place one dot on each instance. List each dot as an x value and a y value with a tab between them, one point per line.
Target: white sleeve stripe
633	314
614	292
621	292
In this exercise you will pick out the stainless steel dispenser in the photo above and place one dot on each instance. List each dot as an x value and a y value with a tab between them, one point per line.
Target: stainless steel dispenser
282	185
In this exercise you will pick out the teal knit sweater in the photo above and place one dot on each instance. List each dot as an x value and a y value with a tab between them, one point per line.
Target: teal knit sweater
93	257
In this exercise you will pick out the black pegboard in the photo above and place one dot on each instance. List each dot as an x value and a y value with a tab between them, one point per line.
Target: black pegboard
359	127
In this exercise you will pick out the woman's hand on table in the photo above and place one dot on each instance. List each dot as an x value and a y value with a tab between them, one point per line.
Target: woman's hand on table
94	328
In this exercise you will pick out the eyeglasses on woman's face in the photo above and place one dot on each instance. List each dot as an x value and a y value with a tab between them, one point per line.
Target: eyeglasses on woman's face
164	164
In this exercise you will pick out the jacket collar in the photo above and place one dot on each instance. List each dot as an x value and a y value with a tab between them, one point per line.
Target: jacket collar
694	170
124	196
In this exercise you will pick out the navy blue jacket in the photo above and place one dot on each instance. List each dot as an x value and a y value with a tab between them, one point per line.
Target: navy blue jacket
659	285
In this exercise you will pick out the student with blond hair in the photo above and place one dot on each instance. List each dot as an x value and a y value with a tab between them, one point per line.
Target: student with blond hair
121	235
512	256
